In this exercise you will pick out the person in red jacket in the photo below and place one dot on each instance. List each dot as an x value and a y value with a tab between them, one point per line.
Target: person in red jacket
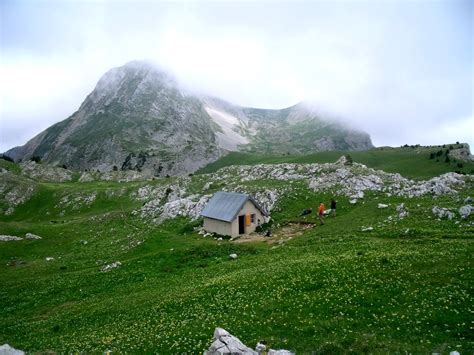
321	212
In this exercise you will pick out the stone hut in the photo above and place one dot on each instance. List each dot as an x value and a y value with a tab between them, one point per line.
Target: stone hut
232	214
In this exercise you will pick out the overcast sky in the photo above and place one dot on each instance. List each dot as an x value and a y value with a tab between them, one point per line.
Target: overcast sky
400	70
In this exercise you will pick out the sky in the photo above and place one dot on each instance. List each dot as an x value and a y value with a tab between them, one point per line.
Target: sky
400	70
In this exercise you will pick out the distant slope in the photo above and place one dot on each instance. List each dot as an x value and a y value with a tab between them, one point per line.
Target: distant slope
138	118
410	162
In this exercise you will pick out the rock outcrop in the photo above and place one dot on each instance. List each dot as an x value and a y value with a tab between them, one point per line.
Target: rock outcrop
465	211
172	200
8	238
226	344
441	212
6	349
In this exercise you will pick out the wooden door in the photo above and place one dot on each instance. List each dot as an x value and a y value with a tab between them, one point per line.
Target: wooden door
242	224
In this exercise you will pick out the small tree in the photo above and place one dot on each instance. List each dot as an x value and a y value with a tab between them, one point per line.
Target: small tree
432	155
36	159
115	168
349	160
447	160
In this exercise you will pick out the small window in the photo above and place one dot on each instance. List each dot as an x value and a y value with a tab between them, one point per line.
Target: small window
252	218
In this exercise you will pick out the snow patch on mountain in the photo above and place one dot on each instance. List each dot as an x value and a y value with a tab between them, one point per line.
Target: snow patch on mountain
228	139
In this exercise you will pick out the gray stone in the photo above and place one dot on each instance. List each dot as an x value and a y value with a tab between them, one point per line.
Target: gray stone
403	214
382	205
401	207
6	349
260	347
441	212
110	267
32	236
279	352
233	256
225	343
8	238
465	211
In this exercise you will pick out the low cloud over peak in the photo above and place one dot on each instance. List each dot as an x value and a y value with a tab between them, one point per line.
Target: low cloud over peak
400	71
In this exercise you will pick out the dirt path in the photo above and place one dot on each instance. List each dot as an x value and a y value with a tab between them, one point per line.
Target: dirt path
288	231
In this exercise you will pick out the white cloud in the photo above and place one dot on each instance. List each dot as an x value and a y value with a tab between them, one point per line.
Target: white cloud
395	79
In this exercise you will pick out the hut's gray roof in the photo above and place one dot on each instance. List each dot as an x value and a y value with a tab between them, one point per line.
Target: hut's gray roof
225	206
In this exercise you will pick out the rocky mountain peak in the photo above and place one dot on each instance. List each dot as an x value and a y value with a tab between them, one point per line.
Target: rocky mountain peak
137	118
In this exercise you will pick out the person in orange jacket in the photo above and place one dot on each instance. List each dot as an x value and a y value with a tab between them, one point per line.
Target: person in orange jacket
321	212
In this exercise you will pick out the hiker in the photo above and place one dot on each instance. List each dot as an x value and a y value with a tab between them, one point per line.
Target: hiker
333	207
321	213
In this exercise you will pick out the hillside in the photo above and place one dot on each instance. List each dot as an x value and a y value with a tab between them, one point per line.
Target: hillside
124	267
413	162
139	118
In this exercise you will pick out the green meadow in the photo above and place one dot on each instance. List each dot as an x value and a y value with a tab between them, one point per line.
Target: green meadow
405	286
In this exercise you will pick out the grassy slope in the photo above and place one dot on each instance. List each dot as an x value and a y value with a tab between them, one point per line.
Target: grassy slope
333	289
410	162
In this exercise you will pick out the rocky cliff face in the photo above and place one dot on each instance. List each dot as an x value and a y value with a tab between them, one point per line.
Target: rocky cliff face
137	118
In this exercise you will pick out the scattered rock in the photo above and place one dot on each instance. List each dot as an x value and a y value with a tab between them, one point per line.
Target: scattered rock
260	347
353	201
8	238
400	207
233	256
225	343
367	229
32	236
279	352
76	201
49	258
6	349
465	211
382	205
14	191
468	200
110	267
402	212
45	172
442	212
267	199
344	160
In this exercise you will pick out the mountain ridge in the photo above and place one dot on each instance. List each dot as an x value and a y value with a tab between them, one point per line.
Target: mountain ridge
139	118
